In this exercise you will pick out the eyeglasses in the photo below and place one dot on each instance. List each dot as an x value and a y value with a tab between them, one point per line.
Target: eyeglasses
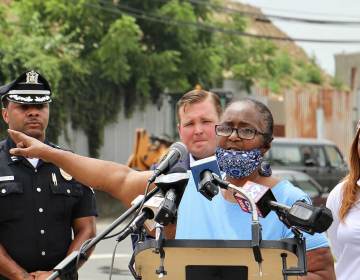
247	133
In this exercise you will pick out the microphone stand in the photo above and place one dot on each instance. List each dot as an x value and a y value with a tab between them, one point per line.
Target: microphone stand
256	232
255	225
282	217
159	249
67	266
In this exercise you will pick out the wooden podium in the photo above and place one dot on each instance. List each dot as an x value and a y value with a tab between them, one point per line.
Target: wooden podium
220	259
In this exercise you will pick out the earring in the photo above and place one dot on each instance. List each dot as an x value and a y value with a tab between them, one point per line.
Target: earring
265	169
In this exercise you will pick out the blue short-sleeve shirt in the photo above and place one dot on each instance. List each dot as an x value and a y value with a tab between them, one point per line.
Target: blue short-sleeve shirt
199	218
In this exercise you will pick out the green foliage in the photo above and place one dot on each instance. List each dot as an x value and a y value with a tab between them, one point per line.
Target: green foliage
308	73
255	62
99	60
280	73
101	56
252	61
337	84
122	42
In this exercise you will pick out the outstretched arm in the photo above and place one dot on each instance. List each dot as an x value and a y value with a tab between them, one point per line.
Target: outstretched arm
119	180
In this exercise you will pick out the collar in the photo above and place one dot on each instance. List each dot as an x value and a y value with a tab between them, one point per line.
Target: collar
15	159
191	159
11	158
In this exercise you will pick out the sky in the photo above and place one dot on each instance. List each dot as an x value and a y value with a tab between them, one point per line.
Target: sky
339	10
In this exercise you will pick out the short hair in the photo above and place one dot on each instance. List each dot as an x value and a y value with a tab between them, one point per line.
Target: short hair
5	102
266	114
196	96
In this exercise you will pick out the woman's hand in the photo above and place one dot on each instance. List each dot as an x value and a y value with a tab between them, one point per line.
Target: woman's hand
26	146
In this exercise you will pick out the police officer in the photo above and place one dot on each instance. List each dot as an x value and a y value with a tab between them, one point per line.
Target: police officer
41	206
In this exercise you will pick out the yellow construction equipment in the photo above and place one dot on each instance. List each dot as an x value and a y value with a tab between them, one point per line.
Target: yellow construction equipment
147	151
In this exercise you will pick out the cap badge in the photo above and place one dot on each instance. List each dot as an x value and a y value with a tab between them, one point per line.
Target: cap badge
32	77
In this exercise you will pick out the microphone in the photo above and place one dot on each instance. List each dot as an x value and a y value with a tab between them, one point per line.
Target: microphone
302	215
261	196
172	186
152	205
177	152
160	208
202	171
146	217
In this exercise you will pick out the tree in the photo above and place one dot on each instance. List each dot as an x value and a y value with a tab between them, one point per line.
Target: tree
96	57
101	56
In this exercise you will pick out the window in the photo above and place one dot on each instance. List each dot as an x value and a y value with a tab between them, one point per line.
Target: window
313	155
285	154
334	156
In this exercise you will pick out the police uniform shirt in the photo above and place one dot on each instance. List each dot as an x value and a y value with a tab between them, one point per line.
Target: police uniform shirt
37	207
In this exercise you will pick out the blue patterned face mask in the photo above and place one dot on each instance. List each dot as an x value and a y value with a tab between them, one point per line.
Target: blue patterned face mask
238	164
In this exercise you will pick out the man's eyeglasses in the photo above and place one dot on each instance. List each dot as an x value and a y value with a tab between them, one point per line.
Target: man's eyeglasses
242	132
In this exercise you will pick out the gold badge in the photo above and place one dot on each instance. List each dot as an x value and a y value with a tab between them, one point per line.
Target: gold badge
65	175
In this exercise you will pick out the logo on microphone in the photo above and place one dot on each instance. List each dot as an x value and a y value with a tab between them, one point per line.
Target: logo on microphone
256	192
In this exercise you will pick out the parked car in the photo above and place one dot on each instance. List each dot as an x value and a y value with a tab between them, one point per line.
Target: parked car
309	185
320	159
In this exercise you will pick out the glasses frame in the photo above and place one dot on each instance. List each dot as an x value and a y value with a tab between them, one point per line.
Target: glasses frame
237	131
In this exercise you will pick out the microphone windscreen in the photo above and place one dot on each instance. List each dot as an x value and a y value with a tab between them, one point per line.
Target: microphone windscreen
179	146
325	219
153	204
177	155
198	166
176	180
177	169
182	150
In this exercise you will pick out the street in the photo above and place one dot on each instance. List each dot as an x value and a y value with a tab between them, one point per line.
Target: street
98	265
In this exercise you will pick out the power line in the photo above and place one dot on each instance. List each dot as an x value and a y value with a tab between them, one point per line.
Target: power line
308	12
265	17
140	14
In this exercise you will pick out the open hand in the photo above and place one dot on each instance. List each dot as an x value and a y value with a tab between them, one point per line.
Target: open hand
26	146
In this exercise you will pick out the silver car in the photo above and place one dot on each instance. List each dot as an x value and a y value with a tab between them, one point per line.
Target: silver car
319	158
317	193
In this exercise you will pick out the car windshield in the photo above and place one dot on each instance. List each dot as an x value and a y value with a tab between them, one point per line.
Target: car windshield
285	155
334	156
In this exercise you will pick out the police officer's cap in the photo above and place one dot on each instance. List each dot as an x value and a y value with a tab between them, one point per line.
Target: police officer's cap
29	88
